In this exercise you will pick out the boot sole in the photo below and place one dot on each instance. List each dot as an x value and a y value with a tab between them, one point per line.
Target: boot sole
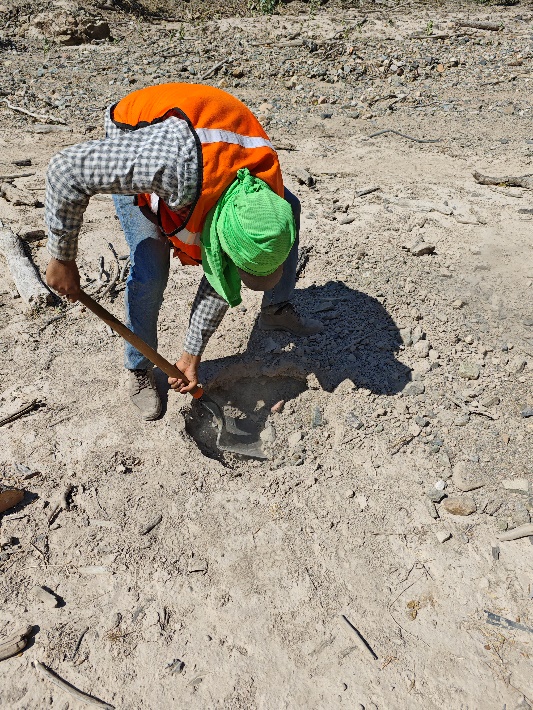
264	326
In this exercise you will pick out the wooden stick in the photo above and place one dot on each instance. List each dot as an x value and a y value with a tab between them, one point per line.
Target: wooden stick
8	178
361	642
21	412
213	69
15	643
43	117
490	26
403	135
526	181
29	285
82	697
517	533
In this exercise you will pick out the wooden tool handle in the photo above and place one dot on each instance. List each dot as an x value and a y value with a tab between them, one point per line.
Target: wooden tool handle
138	343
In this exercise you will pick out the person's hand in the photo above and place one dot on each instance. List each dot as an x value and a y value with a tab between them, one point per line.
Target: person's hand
64	277
188	364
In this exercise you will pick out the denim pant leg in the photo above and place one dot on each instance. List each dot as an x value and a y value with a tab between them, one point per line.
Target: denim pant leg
284	289
150	262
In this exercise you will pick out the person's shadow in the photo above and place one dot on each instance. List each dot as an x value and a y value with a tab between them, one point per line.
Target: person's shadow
359	343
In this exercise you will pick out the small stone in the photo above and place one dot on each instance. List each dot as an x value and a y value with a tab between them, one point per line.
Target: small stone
353	421
412	389
349	494
326	114
294	438
421	421
517	364
458	303
406	336
502	525
517	485
238	73
421	247
440	485
422	348
198	566
430	506
322	100
278	407
347	220
316	417
469	370
414	429
268	435
489	401
443	535
508	110
435	495
44	596
527	412
459	505
462	478
462	419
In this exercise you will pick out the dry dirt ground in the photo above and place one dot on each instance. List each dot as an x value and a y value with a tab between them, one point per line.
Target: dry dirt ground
235	598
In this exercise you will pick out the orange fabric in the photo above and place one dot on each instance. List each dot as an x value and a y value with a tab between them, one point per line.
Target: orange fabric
203	107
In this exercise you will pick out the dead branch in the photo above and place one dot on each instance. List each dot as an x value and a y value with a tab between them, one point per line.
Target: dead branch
15	643
214	69
526	181
21	412
403	135
27	280
45	118
82	697
490	26
9	178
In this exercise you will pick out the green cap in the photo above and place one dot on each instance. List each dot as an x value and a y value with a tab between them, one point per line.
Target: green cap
251	228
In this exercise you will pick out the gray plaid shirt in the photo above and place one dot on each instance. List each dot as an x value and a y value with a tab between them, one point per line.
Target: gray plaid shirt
160	159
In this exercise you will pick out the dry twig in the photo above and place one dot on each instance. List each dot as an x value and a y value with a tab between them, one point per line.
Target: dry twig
403	135
45	118
35	404
82	697
525	181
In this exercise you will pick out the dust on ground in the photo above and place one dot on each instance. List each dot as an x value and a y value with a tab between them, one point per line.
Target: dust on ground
414	393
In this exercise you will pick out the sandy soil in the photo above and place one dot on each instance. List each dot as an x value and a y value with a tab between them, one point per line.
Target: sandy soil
235	598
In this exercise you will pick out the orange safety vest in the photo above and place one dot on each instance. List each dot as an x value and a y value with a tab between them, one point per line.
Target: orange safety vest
228	137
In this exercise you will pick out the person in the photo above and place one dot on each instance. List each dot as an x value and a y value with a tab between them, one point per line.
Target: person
190	168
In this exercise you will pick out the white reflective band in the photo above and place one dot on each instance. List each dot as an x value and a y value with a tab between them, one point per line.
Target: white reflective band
189	237
219	135
154	203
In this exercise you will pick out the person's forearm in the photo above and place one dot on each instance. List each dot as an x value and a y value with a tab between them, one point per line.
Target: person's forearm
207	312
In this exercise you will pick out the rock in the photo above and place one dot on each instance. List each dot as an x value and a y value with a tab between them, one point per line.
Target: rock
422	348
517	364
406	336
463	479
462	419
268	434
349	494
278	407
44	596
469	370
352	420
303	177
459	505
443	535
517	485
347	220
316	417
294	438
9	497
412	389
435	495
414	429
440	485
418	334
420	247
18	196
458	303
489	401
197	566
527	412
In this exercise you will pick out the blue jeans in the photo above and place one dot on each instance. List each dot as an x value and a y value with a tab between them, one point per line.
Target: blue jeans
148	277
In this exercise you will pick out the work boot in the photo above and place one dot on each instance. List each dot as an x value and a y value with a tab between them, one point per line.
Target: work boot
285	317
143	393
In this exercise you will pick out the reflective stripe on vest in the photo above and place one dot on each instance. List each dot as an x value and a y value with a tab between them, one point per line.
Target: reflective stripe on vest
229	137
218	135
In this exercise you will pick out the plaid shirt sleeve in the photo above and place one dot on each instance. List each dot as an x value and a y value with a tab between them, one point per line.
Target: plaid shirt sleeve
161	158
207	312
